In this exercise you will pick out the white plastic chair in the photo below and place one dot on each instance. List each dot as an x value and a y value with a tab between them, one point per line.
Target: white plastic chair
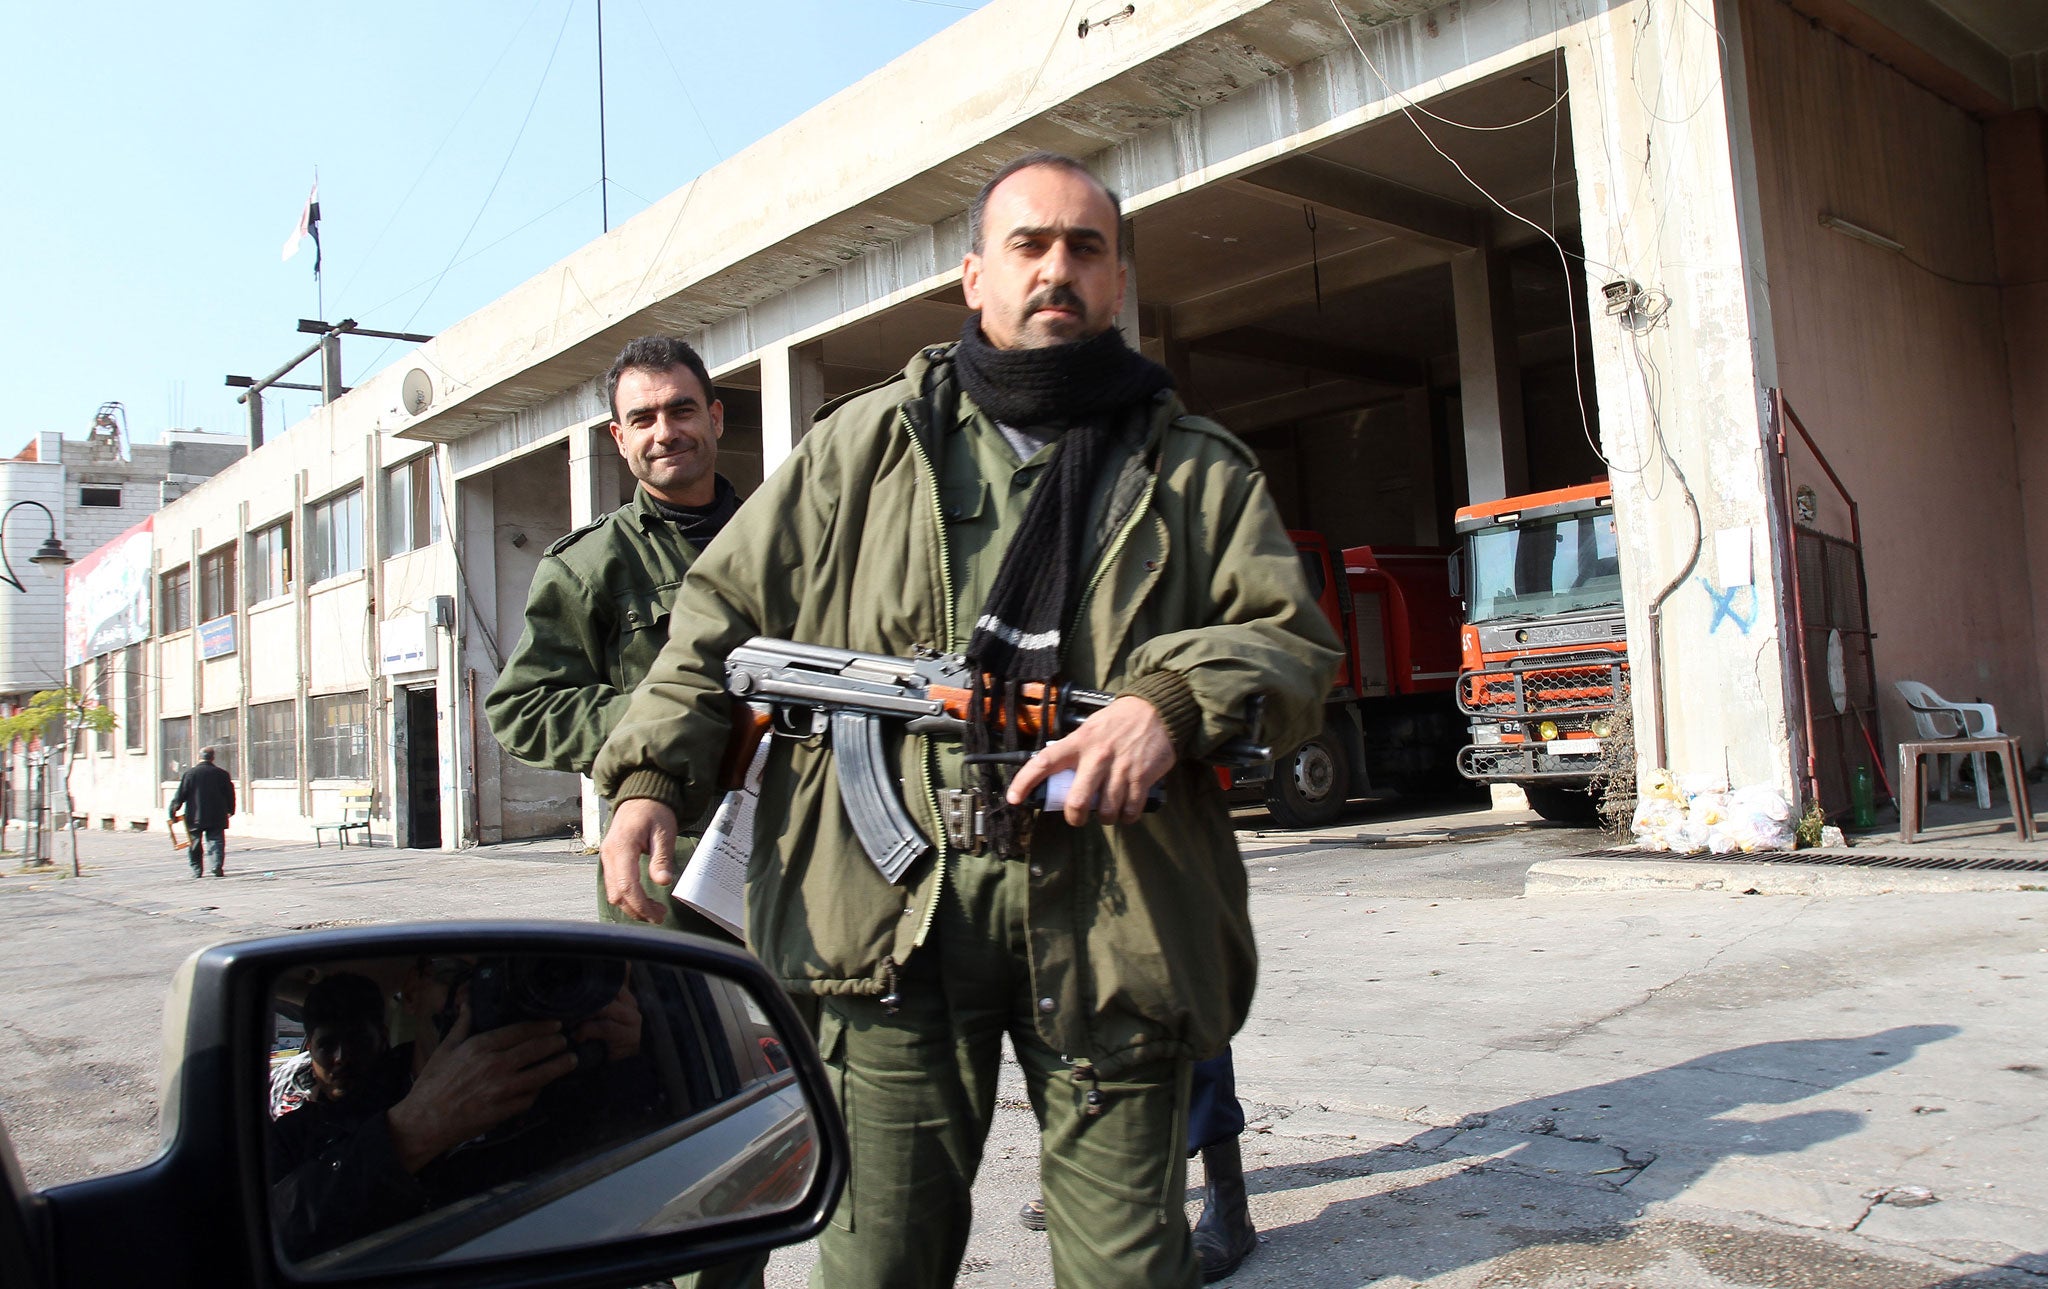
1938	718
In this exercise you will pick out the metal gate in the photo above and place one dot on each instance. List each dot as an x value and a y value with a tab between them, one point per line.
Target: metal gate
1837	673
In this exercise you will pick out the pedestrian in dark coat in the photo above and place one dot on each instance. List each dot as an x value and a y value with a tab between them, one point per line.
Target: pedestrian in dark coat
206	793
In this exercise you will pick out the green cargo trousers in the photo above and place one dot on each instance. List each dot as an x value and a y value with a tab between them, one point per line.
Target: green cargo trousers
747	1273
917	1089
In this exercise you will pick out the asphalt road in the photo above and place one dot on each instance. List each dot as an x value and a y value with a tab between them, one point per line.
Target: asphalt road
1449	1083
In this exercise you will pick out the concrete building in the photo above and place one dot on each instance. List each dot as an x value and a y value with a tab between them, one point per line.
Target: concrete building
98	490
1415	255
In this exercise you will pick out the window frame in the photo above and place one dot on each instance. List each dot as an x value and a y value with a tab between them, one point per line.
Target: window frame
85	489
325	759
264	742
134	700
322	555
227	751
274	567
411	515
165	745
174	599
102	695
219	591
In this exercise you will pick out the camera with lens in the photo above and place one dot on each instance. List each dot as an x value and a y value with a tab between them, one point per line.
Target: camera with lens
507	990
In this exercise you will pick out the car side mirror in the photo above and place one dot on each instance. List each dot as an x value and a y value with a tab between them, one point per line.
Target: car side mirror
464	1104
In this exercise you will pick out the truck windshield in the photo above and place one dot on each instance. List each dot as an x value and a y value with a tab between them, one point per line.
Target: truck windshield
1546	566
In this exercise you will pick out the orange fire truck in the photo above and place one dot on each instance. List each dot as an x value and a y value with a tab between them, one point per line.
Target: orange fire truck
1544	653
1389	721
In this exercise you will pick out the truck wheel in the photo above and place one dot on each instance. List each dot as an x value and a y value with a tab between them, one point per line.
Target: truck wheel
1309	787
1563	805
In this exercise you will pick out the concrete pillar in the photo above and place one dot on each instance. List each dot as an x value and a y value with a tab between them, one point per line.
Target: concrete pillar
478	620
594	482
594	486
1489	375
1722	686
792	388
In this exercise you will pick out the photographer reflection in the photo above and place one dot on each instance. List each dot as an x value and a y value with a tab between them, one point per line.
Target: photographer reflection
492	1087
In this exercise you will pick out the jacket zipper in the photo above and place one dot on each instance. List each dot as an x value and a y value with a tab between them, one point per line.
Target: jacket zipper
931	792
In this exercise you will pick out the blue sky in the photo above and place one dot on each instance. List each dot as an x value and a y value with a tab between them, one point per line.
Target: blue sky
157	157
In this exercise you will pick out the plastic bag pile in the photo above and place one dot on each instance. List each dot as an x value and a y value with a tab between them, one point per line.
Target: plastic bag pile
1693	814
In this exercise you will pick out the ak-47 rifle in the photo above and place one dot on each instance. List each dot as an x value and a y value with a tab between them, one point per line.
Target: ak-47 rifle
808	690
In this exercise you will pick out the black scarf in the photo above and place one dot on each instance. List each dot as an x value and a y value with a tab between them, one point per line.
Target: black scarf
699	524
1059	385
1019	636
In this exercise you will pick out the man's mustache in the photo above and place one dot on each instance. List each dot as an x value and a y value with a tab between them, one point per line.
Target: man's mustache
1054	297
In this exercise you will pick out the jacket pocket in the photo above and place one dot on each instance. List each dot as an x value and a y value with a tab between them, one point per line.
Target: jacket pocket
643	630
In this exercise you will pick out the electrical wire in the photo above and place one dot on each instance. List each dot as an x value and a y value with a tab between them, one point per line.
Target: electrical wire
436	155
681	84
503	166
1635	64
491	245
1412	105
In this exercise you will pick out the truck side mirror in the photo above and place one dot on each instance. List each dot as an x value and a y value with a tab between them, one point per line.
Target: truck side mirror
1456	564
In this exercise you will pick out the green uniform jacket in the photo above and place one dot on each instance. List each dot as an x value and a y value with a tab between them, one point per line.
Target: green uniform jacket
596	619
1141	944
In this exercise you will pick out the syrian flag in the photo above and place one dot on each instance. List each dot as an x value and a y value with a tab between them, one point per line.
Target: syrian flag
309	226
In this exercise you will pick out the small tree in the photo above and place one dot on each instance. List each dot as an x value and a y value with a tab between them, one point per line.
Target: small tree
69	711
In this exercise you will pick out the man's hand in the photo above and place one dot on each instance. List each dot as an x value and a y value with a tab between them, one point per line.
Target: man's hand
639	827
617	1026
473	1083
1116	756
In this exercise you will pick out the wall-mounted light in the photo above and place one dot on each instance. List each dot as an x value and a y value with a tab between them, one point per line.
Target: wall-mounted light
1861	234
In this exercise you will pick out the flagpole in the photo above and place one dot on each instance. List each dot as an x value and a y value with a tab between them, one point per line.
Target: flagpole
604	196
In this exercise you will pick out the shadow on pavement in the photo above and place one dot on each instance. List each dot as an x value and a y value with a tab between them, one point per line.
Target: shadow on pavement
1549	1183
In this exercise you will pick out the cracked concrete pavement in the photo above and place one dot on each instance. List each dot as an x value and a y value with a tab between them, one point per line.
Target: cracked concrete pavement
1449	1082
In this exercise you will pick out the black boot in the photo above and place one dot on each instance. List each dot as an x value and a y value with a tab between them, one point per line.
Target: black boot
1032	1216
1225	1236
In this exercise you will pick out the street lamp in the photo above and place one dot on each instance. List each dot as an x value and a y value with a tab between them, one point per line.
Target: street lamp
51	554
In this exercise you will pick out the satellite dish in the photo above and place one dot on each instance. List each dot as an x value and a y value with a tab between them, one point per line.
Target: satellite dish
417	391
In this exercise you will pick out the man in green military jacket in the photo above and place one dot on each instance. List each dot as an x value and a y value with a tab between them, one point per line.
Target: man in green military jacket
598	612
1036	497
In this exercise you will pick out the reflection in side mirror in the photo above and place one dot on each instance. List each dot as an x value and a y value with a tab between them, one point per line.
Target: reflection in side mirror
447	1107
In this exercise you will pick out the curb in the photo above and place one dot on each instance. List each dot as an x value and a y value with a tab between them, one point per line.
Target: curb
1567	876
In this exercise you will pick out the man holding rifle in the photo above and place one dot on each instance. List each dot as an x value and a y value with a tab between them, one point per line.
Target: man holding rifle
1035	498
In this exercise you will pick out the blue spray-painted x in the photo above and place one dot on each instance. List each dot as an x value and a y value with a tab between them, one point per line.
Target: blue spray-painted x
1724	606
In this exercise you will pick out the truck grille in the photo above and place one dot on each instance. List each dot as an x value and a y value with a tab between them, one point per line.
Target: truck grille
1511	693
1520	761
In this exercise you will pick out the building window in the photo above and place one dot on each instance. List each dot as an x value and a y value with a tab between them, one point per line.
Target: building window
274	740
340	744
173	747
100	497
335	527
102	695
132	697
217	731
174	604
217	584
270	562
412	505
